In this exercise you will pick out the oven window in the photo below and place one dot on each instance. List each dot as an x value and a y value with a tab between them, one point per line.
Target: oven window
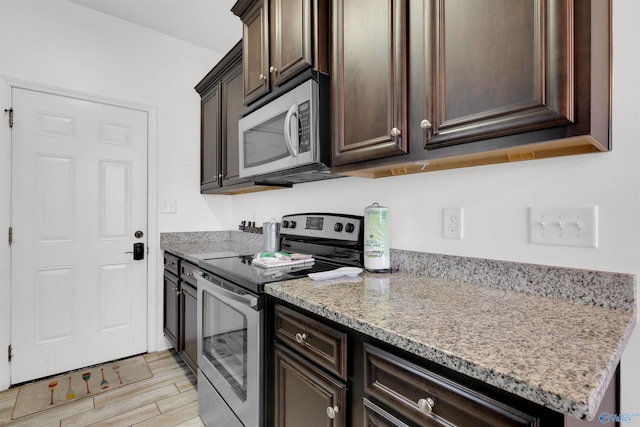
265	143
224	331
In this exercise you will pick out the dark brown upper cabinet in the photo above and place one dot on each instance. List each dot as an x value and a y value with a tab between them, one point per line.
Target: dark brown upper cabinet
492	81
221	93
495	67
368	80
280	39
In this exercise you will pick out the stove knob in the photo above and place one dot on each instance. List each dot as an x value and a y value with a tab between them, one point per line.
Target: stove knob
292	224
337	227
349	228
285	224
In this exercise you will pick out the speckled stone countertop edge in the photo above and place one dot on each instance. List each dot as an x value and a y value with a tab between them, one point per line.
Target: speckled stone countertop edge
532	392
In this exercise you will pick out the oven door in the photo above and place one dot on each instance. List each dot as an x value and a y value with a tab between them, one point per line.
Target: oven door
230	323
281	134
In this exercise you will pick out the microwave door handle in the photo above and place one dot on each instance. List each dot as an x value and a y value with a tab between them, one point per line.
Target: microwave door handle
291	147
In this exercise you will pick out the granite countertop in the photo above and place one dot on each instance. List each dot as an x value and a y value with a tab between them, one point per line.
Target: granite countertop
552	335
194	246
557	353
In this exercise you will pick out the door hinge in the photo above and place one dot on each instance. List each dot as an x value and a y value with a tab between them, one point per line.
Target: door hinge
10	352
10	235
10	111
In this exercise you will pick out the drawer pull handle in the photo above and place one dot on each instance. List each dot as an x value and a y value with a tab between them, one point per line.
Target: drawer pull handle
189	274
426	405
331	412
301	338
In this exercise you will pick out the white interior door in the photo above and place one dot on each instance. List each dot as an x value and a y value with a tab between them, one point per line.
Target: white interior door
78	195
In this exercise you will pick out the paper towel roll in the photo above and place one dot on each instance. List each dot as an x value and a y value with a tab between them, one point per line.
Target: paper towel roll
376	238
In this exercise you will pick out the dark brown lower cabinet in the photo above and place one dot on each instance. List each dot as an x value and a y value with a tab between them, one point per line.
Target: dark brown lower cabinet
375	416
171	308
305	395
180	309
382	386
189	330
427	398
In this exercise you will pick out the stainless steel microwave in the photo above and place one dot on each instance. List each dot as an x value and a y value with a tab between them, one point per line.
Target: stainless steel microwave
286	139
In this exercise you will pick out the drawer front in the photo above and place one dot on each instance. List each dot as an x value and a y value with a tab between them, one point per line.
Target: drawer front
406	387
374	416
172	263
186	273
320	343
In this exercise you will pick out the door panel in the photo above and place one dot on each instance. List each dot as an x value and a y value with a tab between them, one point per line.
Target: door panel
79	192
517	77
368	50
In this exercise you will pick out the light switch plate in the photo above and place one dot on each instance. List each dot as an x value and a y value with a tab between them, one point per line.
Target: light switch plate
564	226
168	206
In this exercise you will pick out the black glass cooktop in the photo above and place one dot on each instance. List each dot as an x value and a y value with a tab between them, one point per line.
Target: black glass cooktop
241	271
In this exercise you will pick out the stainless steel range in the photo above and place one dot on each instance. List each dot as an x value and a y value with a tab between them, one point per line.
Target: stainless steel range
231	320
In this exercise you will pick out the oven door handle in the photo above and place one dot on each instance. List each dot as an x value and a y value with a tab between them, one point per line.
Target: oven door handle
248	300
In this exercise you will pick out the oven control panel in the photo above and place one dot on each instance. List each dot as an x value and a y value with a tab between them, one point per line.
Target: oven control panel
323	225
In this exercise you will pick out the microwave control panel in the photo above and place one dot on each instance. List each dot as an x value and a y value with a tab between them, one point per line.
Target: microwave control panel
304	130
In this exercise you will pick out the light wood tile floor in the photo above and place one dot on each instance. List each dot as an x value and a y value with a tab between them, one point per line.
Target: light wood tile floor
169	398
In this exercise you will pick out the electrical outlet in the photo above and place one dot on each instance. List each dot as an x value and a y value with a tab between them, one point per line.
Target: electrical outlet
564	226
452	223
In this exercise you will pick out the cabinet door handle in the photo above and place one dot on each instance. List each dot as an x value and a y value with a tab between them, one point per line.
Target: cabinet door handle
262	77
301	338
425	124
426	405
395	132
273	69
331	412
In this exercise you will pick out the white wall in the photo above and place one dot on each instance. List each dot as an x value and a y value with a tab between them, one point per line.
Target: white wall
495	198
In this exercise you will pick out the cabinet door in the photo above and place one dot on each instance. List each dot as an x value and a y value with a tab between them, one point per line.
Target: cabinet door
210	150
368	80
171	310
291	38
303	394
495	73
255	50
427	398
189	326
232	95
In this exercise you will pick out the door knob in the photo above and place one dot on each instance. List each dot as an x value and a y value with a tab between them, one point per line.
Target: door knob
426	405
331	412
